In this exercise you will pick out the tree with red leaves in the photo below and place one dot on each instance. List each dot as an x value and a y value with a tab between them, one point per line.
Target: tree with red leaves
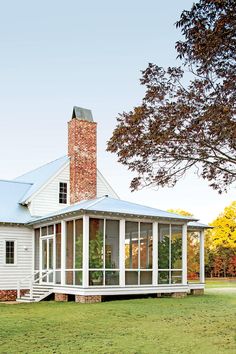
178	127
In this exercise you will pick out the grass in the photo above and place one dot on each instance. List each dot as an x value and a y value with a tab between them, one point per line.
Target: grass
204	324
221	283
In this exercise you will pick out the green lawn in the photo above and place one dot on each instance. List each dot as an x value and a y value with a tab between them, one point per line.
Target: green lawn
221	283
204	324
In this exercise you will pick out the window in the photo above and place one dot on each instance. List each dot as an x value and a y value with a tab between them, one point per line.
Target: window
62	193
10	252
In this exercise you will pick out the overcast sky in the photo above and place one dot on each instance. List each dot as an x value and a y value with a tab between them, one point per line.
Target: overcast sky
57	54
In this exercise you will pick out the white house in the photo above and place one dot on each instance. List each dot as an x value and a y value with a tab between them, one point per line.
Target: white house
64	231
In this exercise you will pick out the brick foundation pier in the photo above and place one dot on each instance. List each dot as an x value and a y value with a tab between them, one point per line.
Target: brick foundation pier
61	297
88	299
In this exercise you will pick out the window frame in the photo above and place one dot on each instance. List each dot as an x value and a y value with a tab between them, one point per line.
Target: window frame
62	193
15	253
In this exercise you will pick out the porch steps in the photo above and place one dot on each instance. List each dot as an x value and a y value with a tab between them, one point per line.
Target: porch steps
39	293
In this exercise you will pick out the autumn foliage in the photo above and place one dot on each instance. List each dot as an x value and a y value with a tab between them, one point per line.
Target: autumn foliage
221	244
181	126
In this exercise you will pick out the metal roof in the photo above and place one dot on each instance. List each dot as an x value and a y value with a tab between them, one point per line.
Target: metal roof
198	225
40	176
10	209
115	206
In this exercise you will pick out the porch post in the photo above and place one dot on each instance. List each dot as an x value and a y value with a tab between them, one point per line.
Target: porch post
40	255
202	261
85	251
122	252
184	256
155	253
63	252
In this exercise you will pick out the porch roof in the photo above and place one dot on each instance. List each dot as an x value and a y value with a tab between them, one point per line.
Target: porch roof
193	225
108	205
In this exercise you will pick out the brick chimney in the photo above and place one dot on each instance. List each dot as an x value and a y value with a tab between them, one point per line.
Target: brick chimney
82	150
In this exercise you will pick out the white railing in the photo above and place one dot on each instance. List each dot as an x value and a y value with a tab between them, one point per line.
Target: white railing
32	280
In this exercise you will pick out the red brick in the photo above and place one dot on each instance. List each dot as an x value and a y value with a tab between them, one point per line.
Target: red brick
88	299
82	150
11	295
61	297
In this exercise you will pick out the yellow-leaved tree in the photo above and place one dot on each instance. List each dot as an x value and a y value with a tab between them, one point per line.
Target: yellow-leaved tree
224	232
221	244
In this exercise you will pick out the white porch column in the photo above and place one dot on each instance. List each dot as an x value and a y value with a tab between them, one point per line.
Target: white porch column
40	254
184	256
63	252
155	253
122	252
85	251
202	261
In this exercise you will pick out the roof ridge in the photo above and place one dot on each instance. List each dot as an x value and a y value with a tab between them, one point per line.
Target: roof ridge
37	168
13	181
95	201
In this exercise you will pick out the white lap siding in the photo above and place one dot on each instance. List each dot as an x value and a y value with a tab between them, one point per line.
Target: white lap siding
10	274
46	200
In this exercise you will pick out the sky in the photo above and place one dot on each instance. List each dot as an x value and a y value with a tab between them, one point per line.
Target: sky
58	54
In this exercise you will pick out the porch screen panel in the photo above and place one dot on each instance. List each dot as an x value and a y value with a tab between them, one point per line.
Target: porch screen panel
79	244
36	248
96	231
112	244
176	246
193	252
163	253
69	251
58	246
58	254
69	245
78	251
163	246
112	253
145	245
44	254
131	245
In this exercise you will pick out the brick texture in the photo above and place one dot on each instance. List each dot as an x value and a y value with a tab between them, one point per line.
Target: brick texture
10	295
197	291
61	297
82	150
179	295
88	299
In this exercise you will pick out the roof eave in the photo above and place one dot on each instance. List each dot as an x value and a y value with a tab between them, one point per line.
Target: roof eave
107	213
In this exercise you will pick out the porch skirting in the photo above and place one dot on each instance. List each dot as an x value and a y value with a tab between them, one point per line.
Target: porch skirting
144	290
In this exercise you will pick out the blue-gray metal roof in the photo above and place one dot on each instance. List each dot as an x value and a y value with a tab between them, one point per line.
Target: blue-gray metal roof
198	225
115	206
10	209
40	176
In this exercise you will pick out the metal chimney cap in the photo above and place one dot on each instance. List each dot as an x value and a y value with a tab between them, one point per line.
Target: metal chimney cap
82	114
